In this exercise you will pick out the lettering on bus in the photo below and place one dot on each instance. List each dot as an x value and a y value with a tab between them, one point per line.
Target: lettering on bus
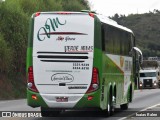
49	26
78	48
121	61
66	39
69	39
103	85
81	66
62	77
60	38
128	65
71	48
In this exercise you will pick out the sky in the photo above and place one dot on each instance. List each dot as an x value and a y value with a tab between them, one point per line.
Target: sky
124	7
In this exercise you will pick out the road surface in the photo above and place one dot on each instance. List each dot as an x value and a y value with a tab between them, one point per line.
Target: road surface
144	100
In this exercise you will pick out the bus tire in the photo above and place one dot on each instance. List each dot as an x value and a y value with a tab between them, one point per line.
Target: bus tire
130	94
113	105
48	112
124	106
110	107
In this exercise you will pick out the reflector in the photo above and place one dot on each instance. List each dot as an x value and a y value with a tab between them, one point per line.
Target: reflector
90	98
34	97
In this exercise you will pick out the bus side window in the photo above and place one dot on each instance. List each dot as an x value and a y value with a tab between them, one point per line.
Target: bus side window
108	37
116	41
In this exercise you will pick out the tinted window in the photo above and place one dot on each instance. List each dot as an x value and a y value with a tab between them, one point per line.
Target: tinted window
115	40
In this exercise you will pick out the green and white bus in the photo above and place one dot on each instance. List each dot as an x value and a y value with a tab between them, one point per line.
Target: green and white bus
79	60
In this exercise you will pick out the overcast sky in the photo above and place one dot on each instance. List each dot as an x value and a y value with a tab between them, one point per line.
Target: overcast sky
111	7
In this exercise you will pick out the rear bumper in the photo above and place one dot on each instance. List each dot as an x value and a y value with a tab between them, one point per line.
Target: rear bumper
75	101
35	103
51	100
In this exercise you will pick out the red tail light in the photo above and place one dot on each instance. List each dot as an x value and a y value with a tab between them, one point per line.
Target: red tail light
95	81
30	82
37	14
91	14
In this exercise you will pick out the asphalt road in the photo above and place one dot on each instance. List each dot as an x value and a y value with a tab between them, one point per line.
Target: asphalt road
147	101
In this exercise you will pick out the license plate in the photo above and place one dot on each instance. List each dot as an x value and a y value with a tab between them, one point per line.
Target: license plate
61	99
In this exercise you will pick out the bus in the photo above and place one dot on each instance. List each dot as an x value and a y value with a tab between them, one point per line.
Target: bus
79	60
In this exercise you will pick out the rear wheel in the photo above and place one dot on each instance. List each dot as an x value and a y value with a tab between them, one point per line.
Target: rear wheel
109	109
110	105
48	112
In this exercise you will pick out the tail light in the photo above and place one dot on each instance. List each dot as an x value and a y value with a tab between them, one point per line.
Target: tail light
91	14
37	14
30	82
95	81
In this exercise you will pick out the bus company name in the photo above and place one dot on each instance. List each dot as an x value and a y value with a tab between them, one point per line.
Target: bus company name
62	77
49	27
78	48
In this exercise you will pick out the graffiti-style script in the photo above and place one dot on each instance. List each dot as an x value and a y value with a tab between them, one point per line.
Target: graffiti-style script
50	26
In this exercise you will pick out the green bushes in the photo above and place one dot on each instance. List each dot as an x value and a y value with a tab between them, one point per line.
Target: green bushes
6	55
146	29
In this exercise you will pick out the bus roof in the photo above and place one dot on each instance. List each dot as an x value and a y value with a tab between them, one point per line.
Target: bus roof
111	22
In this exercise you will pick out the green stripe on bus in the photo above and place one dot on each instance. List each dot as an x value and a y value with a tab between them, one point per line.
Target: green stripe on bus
29	57
30	35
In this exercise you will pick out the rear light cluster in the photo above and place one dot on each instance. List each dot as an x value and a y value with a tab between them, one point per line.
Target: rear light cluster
91	14
37	14
30	82
95	81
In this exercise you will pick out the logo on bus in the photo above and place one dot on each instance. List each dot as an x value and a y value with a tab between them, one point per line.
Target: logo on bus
62	77
49	28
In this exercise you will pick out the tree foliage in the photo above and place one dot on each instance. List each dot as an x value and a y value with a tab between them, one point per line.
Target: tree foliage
6	55
146	29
